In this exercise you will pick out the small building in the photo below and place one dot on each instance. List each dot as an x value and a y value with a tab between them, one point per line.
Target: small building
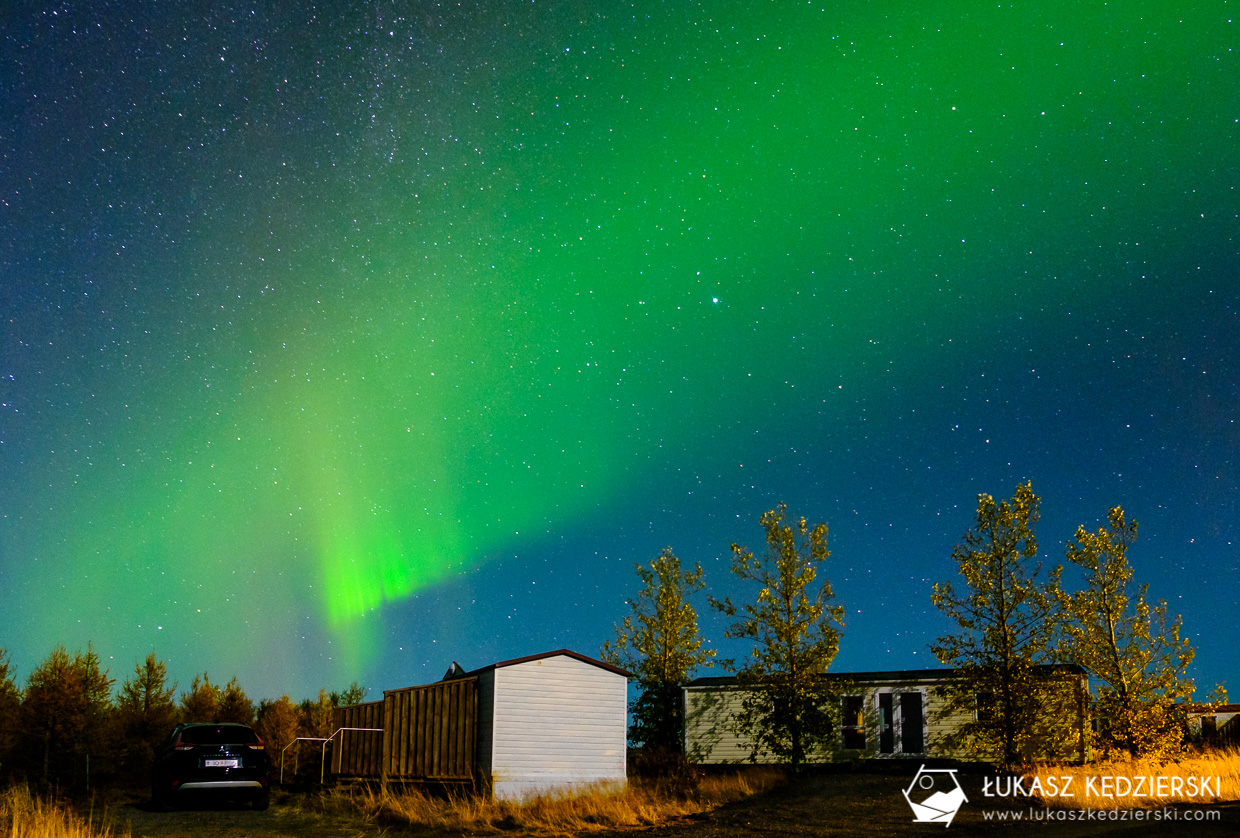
548	723
883	715
551	723
1217	726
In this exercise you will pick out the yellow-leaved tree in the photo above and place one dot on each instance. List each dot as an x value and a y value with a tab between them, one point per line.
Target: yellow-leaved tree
660	644
1008	619
789	706
1128	644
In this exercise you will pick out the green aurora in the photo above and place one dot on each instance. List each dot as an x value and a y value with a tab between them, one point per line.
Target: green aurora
378	296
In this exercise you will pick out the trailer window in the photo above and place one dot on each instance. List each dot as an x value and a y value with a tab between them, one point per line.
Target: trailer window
854	722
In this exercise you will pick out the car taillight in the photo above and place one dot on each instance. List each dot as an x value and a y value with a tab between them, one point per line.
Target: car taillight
256	746
183	746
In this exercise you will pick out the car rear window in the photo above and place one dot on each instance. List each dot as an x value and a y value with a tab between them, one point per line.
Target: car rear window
218	735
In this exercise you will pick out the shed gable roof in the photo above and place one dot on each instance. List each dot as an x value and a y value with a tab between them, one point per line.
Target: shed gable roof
557	653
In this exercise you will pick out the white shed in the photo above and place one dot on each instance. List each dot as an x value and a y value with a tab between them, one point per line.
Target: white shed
551	723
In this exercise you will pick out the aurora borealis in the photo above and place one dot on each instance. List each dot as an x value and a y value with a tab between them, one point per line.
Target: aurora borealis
343	341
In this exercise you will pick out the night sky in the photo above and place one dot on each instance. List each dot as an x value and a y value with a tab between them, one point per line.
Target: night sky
344	341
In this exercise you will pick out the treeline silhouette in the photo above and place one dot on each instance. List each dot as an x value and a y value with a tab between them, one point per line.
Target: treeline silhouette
66	729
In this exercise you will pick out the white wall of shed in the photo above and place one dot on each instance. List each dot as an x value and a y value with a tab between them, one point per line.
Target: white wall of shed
557	724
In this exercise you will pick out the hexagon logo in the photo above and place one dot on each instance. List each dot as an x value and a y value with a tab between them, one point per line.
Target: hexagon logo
935	795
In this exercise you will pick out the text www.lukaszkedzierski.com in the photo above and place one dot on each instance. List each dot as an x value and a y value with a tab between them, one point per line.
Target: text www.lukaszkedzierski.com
1164	814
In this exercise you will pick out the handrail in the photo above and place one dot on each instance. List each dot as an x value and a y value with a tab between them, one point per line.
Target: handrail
323	754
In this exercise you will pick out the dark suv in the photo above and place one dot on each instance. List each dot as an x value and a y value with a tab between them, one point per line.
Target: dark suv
225	760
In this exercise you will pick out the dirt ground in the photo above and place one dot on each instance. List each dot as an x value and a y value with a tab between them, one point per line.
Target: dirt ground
283	819
850	804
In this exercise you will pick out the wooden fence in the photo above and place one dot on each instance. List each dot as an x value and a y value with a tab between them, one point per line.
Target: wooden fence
1226	735
358	753
429	734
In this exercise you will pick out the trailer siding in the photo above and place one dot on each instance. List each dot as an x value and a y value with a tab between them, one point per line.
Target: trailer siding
902	714
711	735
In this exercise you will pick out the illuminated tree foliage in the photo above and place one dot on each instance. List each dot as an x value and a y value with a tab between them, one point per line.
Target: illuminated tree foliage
660	644
201	703
1128	644
317	715
278	725
788	707
1008	620
145	711
206	702
65	718
235	705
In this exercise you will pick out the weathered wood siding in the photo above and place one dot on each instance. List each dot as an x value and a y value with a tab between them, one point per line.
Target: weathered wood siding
357	753
430	732
554	723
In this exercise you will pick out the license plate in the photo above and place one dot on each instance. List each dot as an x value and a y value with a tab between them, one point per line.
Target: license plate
221	763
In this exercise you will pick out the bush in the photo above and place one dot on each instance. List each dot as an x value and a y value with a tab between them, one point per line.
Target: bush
665	772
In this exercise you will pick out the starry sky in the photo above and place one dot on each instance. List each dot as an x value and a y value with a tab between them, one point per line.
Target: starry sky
343	341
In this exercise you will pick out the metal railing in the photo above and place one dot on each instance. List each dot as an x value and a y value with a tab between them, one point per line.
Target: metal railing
323	752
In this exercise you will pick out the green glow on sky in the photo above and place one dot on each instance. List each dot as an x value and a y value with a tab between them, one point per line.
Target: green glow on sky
451	290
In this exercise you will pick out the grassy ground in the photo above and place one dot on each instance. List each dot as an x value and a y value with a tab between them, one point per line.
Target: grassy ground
867	802
26	815
365	811
639	806
1220	770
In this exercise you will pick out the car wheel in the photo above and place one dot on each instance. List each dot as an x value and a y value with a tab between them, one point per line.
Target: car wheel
262	802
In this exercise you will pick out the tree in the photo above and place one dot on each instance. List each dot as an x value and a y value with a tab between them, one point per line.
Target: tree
65	717
1007	618
10	711
789	707
277	725
355	693
146	710
317	716
202	702
1128	644
235	705
660	644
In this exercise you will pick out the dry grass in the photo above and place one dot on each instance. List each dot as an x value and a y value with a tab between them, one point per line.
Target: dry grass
598	810
24	815
1223	765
